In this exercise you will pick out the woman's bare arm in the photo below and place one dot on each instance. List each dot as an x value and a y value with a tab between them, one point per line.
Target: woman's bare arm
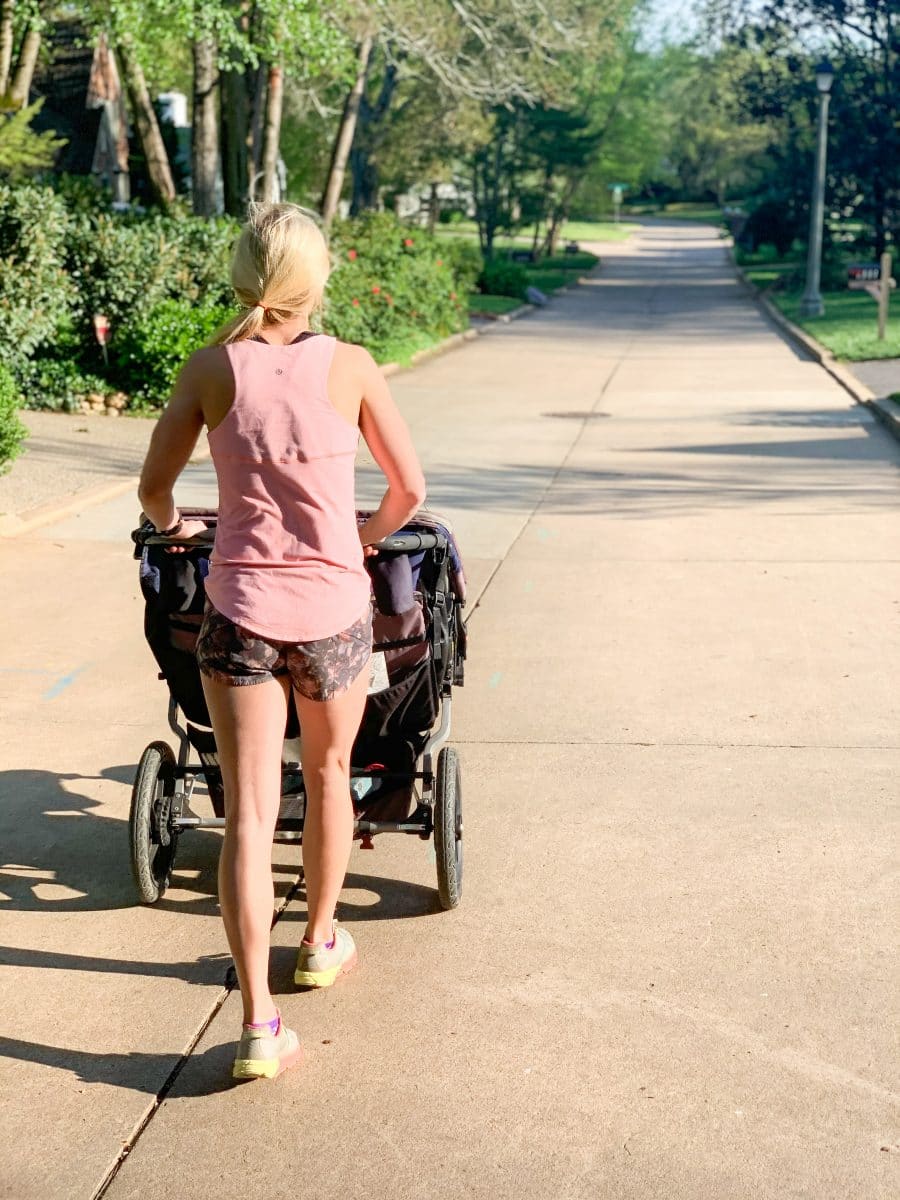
172	444
387	436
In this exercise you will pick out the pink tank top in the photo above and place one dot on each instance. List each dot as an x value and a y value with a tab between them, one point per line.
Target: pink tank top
287	562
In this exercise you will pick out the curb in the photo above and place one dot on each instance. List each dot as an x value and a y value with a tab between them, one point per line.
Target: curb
885	410
15	524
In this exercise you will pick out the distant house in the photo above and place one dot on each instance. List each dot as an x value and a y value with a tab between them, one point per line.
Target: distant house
84	103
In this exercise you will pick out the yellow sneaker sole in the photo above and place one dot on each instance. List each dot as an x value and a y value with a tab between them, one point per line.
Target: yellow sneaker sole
255	1068
320	979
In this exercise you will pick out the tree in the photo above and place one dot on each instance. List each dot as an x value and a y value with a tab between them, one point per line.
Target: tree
25	20
490	51
22	150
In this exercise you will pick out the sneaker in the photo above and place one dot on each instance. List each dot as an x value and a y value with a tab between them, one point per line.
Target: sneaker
319	965
262	1054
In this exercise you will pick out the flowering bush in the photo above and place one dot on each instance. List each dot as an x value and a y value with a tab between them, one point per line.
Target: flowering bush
391	285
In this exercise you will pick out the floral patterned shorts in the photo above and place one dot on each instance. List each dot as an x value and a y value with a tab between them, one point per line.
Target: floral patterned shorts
319	670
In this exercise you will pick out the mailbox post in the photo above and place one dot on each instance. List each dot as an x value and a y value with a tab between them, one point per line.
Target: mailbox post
874	278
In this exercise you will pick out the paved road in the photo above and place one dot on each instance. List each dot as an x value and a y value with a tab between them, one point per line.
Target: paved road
881	375
672	972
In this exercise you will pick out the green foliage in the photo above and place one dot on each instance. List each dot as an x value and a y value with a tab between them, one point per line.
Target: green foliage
502	277
465	261
12	431
36	295
23	150
583	260
155	344
390	282
121	266
57	383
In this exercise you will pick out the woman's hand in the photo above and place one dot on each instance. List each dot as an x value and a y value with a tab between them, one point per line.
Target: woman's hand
188	529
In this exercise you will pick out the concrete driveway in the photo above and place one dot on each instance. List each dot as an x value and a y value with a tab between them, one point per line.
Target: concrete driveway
674	972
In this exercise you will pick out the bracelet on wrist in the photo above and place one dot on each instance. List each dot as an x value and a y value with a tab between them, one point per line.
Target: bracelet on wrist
172	531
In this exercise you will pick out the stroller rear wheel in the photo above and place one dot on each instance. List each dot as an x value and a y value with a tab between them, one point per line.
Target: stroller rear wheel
448	828
153	842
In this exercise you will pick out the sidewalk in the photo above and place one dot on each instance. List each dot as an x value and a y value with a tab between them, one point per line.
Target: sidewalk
672	972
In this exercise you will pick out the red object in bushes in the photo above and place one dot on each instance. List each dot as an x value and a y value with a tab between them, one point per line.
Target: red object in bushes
355	302
375	290
407	241
351	254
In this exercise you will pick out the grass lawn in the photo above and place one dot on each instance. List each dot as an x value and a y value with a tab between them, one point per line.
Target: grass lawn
849	327
708	214
494	305
402	350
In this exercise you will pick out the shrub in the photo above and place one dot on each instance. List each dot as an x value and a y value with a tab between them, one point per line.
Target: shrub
204	247
121	266
391	284
465	261
12	431
36	297
501	277
58	384
154	345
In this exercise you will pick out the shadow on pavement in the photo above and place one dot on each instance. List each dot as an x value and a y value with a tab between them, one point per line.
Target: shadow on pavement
61	856
210	1073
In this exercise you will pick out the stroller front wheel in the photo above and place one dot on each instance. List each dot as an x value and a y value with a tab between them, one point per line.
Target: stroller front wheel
153	842
448	829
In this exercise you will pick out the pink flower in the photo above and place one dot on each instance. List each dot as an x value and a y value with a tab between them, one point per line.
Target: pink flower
375	290
355	302
407	241
351	254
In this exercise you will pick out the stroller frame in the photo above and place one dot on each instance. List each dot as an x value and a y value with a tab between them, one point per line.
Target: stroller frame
165	780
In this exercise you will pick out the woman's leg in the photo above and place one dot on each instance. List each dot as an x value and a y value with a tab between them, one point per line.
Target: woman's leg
249	723
328	729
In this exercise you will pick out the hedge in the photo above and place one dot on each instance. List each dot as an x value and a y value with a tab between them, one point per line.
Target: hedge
12	431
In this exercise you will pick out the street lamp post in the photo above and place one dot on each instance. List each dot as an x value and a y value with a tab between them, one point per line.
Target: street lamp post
812	305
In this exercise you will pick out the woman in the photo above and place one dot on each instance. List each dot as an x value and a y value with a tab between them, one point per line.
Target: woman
288	598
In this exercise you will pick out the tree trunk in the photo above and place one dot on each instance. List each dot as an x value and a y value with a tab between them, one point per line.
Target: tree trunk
158	167
205	133
434	208
347	129
255	135
6	44
24	72
271	186
235	136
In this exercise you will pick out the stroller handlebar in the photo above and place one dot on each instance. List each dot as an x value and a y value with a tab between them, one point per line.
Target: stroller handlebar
408	543
398	543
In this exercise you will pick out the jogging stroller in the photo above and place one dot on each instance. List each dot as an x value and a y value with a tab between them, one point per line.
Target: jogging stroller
404	779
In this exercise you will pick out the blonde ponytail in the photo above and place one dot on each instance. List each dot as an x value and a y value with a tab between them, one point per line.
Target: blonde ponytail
279	270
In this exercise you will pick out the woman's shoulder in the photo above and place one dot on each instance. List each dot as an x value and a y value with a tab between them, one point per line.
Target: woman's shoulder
353	356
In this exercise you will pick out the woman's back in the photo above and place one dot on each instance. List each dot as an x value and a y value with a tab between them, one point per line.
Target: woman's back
288	562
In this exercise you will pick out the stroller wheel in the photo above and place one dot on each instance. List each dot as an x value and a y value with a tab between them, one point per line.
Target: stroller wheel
152	841
448	828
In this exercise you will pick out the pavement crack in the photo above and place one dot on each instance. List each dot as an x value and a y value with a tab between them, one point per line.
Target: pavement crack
229	985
